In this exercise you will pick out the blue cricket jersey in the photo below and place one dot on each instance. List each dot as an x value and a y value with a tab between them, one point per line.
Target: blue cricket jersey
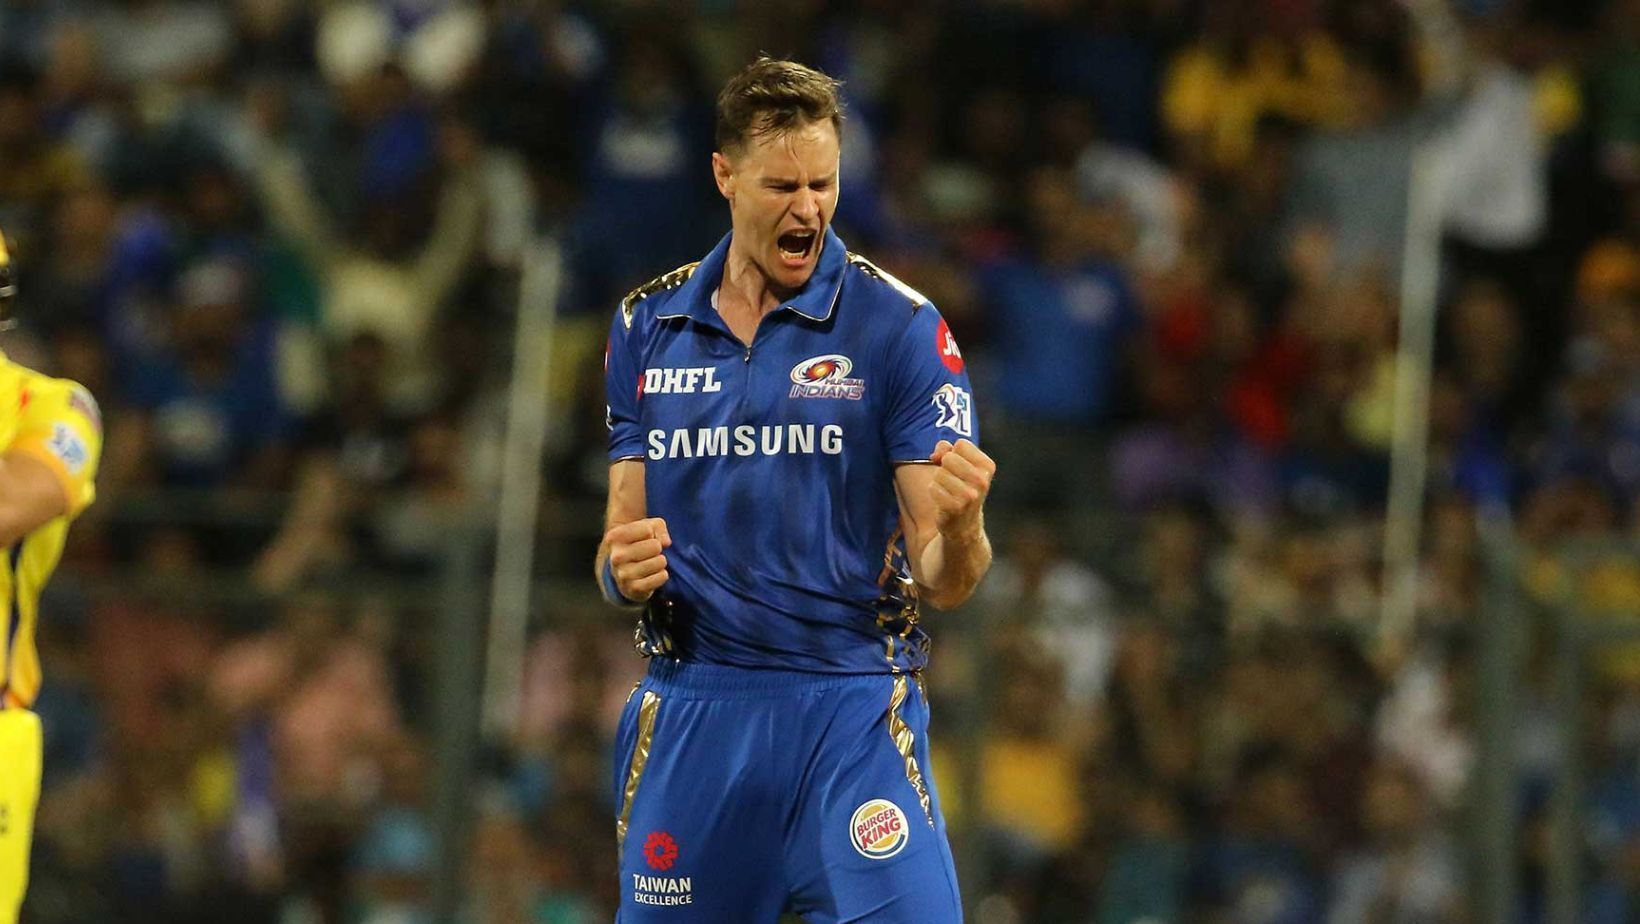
773	463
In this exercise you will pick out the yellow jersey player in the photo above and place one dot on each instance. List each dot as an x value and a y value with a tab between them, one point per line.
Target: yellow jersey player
50	440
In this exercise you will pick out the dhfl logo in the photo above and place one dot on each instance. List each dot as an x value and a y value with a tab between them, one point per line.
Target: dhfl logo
660	851
947	345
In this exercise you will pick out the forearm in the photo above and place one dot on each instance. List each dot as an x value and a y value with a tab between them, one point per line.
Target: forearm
30	497
952	564
609	587
294	210
614	516
630	542
457	231
600	561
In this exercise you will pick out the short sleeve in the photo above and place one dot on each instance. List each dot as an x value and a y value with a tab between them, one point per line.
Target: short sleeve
621	393
61	426
929	397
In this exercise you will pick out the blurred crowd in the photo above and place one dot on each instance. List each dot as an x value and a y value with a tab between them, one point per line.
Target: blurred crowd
282	242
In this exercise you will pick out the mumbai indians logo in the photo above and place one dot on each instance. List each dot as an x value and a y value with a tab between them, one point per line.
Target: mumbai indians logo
878	829
826	377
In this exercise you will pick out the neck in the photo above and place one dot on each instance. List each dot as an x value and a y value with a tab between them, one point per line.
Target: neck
746	289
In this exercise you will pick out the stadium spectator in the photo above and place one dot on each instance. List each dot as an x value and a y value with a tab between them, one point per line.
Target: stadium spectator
1062	315
1063	604
415	232
1030	792
209	411
396	851
350	454
39	168
1219	86
638	154
1260	867
1146	190
1406	870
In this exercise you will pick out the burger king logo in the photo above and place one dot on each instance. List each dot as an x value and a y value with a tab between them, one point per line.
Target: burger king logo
878	829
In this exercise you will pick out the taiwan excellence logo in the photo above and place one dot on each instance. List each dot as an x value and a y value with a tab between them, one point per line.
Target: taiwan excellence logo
878	829
826	377
660	851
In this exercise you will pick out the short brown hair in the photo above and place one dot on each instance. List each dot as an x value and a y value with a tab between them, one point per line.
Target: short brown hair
771	96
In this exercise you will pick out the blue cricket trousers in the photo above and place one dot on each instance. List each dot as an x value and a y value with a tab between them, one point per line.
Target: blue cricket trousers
745	793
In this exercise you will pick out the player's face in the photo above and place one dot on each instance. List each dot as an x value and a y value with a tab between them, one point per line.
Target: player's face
782	192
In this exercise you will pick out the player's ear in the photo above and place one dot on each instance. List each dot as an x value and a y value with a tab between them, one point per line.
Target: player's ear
723	171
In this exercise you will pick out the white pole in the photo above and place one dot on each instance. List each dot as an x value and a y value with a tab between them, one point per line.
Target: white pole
519	501
1414	362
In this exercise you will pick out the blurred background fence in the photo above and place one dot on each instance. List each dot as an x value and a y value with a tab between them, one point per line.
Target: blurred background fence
326	648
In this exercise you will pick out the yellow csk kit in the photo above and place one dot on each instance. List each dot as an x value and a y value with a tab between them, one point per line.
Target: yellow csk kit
50	443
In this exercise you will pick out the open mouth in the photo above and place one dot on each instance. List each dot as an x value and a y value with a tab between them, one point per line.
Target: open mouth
796	246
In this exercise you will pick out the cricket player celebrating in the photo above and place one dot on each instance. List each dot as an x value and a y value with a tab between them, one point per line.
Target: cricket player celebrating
794	466
50	439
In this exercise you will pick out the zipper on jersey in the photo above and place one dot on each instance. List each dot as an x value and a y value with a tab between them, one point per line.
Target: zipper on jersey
744	401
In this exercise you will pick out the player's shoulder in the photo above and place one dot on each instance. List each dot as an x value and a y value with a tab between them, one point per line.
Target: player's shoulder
883	287
655	293
49	395
31	382
41	383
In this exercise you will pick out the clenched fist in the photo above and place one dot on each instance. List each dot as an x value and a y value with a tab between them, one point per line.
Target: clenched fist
960	486
636	557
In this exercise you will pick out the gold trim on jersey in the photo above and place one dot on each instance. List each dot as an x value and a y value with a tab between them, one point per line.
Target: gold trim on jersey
900	606
905	741
876	272
653	634
647	709
677	277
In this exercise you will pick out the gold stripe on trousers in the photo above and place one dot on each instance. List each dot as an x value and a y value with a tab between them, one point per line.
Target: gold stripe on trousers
647	709
905	741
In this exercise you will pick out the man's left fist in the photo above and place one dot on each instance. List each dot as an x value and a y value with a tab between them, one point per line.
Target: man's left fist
960	486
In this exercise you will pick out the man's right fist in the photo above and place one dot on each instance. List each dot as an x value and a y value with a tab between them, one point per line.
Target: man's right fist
636	557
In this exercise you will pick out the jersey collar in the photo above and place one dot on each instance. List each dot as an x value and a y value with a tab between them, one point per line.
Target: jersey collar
815	301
